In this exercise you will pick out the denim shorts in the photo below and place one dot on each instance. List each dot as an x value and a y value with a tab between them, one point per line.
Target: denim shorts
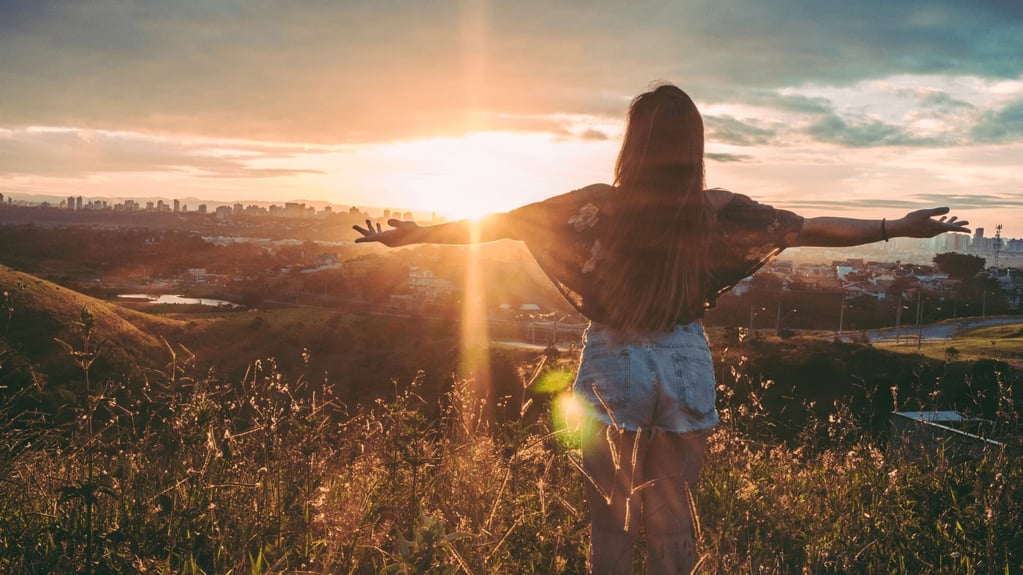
648	380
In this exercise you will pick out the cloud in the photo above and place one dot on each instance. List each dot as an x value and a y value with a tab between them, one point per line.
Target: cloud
728	158
594	135
851	205
71	153
945	102
798	103
974	200
864	132
915	202
335	72
730	130
1000	126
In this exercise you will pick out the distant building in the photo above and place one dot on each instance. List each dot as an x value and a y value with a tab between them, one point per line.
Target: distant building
326	259
297	210
842	270
354	269
425	286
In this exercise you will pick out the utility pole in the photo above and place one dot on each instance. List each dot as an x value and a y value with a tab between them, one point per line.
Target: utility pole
752	314
898	320
919	317
841	315
777	322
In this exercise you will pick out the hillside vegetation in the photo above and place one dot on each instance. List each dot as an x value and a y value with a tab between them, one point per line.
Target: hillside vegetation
307	442
36	312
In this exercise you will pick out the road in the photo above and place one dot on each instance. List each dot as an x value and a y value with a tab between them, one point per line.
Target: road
942	330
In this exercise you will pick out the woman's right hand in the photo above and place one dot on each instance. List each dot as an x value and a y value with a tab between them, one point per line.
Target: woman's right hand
401	233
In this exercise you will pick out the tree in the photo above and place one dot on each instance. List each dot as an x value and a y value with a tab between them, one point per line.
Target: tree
959	266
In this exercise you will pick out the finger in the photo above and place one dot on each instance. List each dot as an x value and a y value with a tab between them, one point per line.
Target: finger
360	230
394	223
379	231
931	212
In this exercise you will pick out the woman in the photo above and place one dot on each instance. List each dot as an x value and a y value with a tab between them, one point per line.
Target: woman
643	259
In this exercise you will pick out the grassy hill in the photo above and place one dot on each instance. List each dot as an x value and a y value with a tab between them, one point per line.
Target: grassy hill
219	473
361	356
36	311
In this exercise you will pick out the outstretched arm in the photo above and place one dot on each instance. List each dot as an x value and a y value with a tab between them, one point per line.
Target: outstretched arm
488	229
840	232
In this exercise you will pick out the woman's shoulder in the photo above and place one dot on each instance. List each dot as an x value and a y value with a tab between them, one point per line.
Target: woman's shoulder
719	198
568	202
590	193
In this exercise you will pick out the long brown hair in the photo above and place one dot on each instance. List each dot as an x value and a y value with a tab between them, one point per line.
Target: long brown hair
658	246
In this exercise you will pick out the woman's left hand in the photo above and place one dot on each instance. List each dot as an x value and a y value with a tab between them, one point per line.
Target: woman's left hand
927	224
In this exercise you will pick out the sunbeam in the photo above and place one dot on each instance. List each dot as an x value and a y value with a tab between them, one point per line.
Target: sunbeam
474	361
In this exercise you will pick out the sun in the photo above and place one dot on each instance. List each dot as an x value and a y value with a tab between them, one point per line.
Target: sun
476	174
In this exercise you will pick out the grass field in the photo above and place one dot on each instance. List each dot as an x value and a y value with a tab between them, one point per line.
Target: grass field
194	470
1002	343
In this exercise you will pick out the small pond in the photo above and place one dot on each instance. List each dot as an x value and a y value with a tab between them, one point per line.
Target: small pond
176	299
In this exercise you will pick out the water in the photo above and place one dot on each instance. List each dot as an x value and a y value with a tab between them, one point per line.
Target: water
176	299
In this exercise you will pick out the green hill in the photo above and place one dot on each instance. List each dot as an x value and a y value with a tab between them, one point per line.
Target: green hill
36	311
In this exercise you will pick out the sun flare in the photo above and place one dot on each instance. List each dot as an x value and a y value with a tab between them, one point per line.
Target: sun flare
472	175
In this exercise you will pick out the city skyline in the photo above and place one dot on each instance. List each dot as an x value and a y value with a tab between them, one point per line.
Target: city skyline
1001	251
869	109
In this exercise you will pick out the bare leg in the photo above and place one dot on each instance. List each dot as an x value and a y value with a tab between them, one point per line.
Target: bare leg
673	465
609	458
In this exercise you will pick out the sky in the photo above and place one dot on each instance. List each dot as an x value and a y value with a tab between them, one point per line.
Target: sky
863	109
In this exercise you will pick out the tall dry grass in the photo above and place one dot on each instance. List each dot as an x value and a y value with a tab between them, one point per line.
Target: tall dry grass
185	472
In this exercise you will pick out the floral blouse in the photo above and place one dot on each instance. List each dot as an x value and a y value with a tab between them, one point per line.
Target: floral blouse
566	235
